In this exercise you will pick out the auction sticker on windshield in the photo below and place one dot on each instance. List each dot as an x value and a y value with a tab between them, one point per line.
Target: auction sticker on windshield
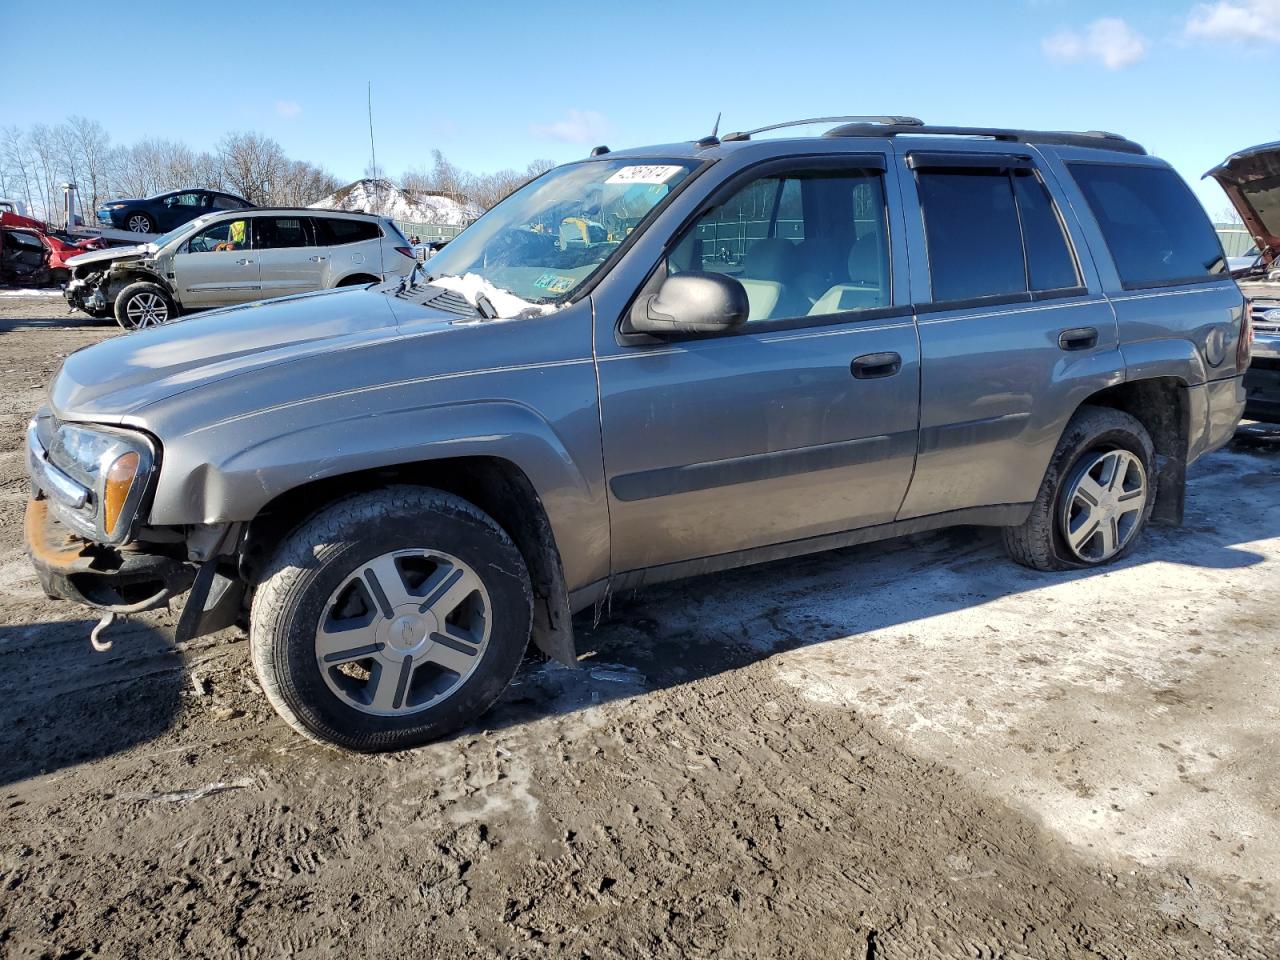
645	173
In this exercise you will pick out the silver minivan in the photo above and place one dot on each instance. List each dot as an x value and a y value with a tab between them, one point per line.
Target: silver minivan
234	257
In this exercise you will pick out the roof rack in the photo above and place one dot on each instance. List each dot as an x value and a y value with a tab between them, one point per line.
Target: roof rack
865	121
1098	139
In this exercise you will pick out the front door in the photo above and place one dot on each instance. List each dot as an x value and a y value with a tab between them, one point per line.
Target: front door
218	266
288	258
799	423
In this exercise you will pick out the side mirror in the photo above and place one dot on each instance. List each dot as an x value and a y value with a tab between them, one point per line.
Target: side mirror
692	303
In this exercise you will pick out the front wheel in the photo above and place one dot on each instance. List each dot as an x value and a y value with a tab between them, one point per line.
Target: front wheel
144	304
390	619
1096	496
139	223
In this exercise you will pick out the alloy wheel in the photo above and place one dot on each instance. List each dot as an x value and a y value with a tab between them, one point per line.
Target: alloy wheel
139	224
403	632
146	310
1104	504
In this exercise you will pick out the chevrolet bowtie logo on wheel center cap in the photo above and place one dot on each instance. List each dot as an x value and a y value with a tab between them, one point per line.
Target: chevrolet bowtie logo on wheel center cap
409	630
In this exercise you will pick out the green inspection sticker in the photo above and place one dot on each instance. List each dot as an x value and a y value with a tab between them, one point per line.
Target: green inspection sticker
553	283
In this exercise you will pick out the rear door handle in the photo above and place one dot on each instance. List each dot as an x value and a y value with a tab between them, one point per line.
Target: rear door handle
1078	338
869	366
319	259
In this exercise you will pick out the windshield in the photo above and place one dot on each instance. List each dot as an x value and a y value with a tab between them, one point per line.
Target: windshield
546	239
176	232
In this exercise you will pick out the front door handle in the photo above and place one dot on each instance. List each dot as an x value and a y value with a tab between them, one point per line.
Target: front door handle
1078	338
244	263
319	259
869	366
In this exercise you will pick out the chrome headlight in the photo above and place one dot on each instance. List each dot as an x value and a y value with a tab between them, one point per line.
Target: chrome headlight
95	477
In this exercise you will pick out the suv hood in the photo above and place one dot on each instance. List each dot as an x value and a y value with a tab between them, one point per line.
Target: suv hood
110	253
112	380
1251	179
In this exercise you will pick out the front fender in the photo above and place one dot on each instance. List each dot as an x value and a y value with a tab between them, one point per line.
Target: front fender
241	465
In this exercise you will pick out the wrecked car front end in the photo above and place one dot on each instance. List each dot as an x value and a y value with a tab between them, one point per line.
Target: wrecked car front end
95	277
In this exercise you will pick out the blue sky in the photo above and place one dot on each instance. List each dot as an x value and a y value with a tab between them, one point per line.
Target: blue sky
496	84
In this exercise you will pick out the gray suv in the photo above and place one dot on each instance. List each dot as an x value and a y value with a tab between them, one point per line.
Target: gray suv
649	364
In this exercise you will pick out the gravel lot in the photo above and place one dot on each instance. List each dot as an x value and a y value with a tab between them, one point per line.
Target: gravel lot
903	750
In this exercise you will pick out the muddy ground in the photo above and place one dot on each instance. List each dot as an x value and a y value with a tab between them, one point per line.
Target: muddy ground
904	750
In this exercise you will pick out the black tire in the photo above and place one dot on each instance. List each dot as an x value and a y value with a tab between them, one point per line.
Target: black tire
1040	541
139	291
313	561
139	223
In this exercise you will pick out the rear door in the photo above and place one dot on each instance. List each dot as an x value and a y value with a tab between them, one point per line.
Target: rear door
352	247
288	257
1014	328
218	266
801	422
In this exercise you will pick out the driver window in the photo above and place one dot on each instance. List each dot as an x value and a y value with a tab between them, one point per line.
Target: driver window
230	235
183	200
808	243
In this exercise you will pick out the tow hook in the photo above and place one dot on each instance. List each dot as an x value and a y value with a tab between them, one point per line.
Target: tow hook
95	637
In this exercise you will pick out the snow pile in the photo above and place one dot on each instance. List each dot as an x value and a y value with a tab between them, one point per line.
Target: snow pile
384	198
510	307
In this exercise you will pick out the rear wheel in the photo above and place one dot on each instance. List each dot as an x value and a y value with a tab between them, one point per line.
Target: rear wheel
1096	496
144	304
390	619
139	223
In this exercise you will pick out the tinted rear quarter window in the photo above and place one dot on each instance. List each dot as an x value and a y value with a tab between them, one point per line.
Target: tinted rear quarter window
1155	229
1050	263
331	231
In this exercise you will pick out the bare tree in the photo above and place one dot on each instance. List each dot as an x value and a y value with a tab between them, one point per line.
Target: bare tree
17	159
93	147
252	165
43	141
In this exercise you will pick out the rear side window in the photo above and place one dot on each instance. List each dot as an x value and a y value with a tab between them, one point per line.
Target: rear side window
274	233
221	202
1156	230
330	231
993	232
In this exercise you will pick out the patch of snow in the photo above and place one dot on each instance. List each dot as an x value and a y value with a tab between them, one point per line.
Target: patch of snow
385	199
510	307
32	292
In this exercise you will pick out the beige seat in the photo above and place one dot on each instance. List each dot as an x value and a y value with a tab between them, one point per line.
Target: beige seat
767	269
867	287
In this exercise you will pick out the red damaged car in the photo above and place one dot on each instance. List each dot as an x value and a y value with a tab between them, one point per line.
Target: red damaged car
31	257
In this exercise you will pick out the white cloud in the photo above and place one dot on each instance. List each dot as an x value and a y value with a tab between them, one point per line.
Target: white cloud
288	108
1108	40
1256	21
577	126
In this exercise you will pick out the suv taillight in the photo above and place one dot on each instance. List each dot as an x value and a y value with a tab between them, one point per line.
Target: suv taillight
408	252
1244	346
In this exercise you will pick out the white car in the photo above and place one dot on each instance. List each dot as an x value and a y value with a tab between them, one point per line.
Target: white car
236	256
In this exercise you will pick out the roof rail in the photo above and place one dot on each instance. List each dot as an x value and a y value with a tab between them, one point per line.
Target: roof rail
888	121
1098	139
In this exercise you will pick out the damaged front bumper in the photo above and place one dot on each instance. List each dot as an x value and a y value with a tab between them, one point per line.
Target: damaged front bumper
129	579
87	296
119	579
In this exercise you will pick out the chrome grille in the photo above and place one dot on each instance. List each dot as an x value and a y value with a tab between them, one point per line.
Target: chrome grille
1265	316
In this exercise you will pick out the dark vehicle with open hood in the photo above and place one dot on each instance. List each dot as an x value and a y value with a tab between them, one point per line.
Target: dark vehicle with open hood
648	364
1251	179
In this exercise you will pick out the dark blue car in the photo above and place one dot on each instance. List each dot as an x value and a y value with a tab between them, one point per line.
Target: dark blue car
162	213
